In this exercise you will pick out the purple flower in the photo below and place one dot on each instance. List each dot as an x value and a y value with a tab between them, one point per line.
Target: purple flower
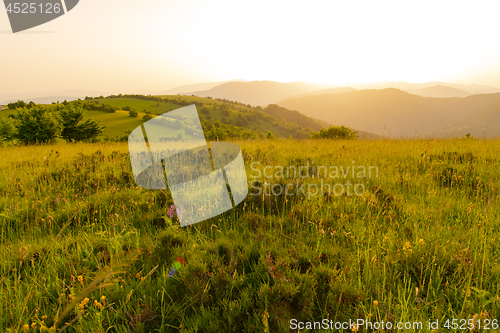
57	200
172	272
171	212
180	211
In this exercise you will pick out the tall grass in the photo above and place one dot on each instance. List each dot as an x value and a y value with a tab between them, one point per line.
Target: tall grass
84	250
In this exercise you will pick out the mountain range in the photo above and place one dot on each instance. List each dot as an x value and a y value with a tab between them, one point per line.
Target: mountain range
395	113
270	92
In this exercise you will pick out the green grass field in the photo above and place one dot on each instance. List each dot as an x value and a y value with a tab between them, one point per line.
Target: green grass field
84	250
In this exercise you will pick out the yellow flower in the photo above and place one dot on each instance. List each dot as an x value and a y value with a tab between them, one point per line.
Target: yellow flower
421	241
70	299
375	303
33	324
26	327
103	299
80	279
355	328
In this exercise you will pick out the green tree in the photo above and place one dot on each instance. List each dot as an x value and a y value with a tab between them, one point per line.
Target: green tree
18	104
37	125
7	130
147	117
75	128
133	113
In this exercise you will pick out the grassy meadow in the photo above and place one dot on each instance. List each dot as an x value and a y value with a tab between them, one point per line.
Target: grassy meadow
84	250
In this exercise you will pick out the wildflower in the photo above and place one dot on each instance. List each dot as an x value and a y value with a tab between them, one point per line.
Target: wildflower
70	298
375	303
180	211
83	303
80	279
171	211
355	328
103	299
26	327
33	324
421	241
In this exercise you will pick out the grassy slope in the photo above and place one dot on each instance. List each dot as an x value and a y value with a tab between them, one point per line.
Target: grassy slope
119	122
69	213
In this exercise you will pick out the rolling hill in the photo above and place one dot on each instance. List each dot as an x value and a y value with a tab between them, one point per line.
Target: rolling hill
232	119
395	113
235	118
482	123
338	90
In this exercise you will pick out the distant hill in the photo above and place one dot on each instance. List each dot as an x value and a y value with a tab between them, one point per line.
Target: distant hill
187	88
395	113
406	86
482	123
258	92
45	98
440	91
338	90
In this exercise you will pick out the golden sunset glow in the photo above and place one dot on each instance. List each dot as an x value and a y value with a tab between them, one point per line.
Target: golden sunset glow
134	46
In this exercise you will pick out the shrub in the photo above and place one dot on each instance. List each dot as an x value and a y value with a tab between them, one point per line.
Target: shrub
7	130
75	129
147	117
133	113
335	132
37	125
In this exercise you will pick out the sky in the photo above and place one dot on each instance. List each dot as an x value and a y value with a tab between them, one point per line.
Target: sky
126	46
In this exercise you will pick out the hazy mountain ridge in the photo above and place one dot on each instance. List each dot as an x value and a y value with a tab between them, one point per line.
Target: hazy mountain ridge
392	112
440	91
259	92
336	90
187	88
268	92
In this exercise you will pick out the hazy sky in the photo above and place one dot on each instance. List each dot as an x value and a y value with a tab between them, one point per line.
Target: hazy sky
152	45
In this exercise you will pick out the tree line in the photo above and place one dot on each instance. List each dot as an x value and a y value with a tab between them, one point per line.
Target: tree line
39	124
